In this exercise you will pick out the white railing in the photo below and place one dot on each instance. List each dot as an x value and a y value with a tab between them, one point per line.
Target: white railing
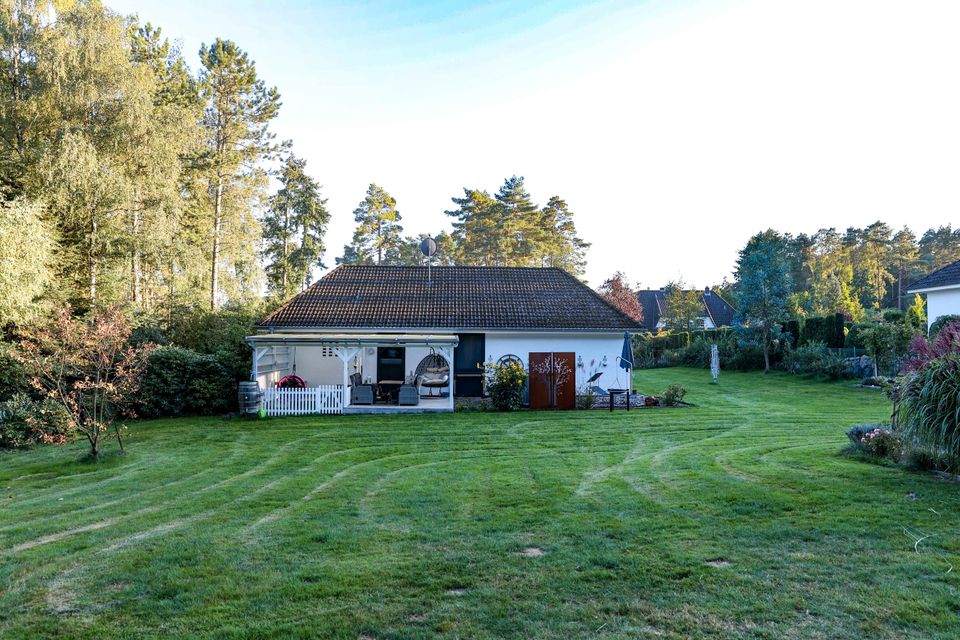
297	402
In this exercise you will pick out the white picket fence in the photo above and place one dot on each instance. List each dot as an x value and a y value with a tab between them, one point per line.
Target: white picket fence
297	402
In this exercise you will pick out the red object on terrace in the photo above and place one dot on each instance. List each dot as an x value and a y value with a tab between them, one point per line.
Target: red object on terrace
291	382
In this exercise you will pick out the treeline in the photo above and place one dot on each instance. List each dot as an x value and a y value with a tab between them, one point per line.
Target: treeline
127	178
503	229
858	270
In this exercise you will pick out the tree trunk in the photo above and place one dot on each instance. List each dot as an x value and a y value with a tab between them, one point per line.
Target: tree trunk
217	226
286	231
766	350
136	265
900	289
92	262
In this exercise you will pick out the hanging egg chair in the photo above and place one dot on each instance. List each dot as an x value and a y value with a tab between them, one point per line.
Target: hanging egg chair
292	381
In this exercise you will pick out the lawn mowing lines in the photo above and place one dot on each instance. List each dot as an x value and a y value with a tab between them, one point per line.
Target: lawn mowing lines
634	457
48	518
154	509
363	508
723	461
281	511
59	584
44	494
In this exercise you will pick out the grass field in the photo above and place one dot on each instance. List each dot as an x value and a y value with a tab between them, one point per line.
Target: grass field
733	519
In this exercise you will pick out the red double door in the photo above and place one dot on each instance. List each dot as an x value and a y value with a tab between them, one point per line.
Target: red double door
553	380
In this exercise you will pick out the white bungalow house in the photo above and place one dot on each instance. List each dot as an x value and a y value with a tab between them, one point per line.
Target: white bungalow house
368	339
942	288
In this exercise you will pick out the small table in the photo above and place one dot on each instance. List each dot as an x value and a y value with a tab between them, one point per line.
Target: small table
619	392
390	388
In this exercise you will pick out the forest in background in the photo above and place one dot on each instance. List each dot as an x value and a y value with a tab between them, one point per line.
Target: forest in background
128	178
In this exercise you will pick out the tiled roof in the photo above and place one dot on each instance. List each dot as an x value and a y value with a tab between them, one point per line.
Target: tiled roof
945	277
371	297
720	312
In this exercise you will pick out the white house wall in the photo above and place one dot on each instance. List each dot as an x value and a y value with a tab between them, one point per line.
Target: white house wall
589	346
318	366
942	303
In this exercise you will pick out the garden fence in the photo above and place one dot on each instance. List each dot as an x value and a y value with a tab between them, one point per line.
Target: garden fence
295	402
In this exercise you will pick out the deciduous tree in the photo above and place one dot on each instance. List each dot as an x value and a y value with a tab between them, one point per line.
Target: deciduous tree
620	294
682	307
763	286
88	367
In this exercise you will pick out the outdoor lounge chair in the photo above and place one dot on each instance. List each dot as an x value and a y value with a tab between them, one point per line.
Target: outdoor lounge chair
408	396
360	393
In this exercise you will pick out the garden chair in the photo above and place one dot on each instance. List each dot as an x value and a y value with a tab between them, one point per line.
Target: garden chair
360	393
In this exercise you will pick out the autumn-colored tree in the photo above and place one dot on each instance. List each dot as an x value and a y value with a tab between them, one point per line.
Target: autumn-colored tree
617	292
88	367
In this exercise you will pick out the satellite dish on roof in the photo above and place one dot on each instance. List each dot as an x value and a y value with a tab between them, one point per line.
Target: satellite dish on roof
428	246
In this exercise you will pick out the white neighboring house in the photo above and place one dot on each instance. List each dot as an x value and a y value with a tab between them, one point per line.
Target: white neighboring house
371	326
942	288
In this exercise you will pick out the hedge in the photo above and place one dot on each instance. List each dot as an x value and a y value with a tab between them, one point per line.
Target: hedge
180	382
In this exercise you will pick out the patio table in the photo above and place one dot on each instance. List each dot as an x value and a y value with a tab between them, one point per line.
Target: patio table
619	392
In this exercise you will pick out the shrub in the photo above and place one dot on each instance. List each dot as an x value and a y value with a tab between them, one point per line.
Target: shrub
826	329
918	458
924	351
13	375
673	395
182	382
24	422
940	323
505	383
220	334
857	431
814	358
928	404
586	399
893	315
877	381
882	443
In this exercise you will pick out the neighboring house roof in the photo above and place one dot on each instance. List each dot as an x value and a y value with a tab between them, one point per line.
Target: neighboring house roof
372	297
720	312
948	276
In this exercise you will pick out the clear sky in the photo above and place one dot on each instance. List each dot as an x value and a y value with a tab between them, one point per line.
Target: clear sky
674	130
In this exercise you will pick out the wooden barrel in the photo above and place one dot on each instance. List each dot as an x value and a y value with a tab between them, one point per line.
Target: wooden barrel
248	396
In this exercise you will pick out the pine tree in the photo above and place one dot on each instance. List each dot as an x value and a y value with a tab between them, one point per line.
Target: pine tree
477	230
378	238
905	256
238	110
561	246
293	229
940	247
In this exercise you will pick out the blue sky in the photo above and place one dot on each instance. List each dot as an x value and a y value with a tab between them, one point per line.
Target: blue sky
673	129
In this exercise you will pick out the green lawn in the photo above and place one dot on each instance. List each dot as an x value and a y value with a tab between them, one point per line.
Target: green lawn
431	526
